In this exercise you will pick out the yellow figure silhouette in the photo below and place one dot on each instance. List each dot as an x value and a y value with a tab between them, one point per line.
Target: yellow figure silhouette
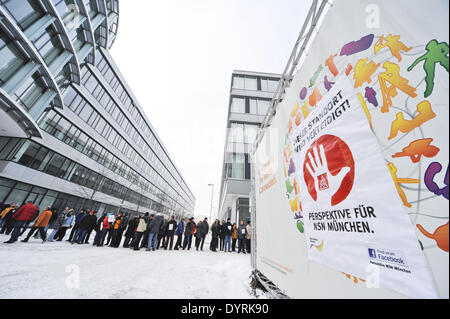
392	76
366	110
404	126
305	110
394	44
363	71
397	181
294	205
295	109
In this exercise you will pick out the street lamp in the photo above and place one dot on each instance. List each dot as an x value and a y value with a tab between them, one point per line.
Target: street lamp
212	194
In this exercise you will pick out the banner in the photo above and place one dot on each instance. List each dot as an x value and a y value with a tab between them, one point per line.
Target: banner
356	202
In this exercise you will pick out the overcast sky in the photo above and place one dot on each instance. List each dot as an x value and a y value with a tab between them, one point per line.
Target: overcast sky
178	55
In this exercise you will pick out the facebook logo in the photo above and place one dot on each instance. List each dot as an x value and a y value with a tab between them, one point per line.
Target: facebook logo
372	253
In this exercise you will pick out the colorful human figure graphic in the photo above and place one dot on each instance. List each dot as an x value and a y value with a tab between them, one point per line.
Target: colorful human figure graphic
397	181
436	53
363	71
440	235
418	148
331	66
432	170
394	44
392	76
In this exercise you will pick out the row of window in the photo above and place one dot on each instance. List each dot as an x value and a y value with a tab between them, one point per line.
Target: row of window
30	154
249	105
110	77
253	83
237	165
97	90
62	129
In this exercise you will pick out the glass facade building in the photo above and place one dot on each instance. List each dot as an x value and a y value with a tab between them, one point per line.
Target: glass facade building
72	133
250	96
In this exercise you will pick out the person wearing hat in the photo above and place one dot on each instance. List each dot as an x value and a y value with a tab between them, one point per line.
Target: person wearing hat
68	223
179	233
40	224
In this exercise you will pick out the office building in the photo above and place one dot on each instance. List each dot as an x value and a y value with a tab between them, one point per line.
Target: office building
250	96
71	131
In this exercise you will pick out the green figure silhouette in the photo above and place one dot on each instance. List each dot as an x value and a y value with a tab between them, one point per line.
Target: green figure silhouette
436	52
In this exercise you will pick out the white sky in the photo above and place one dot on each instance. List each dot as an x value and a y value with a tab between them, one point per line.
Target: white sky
178	55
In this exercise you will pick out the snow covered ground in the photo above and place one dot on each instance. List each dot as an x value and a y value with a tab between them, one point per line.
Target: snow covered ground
61	270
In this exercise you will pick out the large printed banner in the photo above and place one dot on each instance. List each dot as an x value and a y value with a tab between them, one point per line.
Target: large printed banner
356	202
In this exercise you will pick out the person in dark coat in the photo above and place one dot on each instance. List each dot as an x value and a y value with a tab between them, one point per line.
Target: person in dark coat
170	230
242	234
78	219
203	229
98	231
148	218
86	225
215	229
188	233
25	214
179	233
8	223
119	227
154	228
129	233
228	230
222	233
162	233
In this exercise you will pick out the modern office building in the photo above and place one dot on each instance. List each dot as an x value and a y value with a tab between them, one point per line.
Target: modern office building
250	96
71	131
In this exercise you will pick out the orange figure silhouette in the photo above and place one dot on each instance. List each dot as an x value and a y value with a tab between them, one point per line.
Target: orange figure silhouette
397	181
394	44
331	66
348	69
284	169
298	119
305	110
416	149
315	97
296	187
404	126
440	235
290	126
295	109
392	76
355	279
363	71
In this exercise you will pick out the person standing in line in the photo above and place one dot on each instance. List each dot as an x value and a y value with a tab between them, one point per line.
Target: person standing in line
78	219
203	231
248	237
242	234
69	221
120	229
179	232
234	237
147	218
57	224
24	214
98	230
105	229
115	229
154	228
162	232
214	236
8	222
131	229
141	228
86	225
222	233
40	224
111	220
228	229
4	212
188	233
197	235
88	233
170	230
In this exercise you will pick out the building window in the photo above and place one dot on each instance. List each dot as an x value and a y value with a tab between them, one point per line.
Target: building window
10	58
238	105
24	12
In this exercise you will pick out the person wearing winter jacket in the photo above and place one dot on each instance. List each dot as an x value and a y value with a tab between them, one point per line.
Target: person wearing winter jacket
57	223
40	224
228	228
141	228
222	231
86	225
25	214
78	219
105	229
162	233
242	234
179	233
129	233
148	218
119	226
69	221
248	237
170	230
4	212
203	229
8	222
98	230
189	230
214	236
154	229
234	237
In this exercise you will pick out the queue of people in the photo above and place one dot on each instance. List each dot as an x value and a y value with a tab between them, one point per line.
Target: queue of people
148	231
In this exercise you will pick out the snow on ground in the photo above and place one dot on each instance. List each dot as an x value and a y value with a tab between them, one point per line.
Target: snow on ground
50	270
